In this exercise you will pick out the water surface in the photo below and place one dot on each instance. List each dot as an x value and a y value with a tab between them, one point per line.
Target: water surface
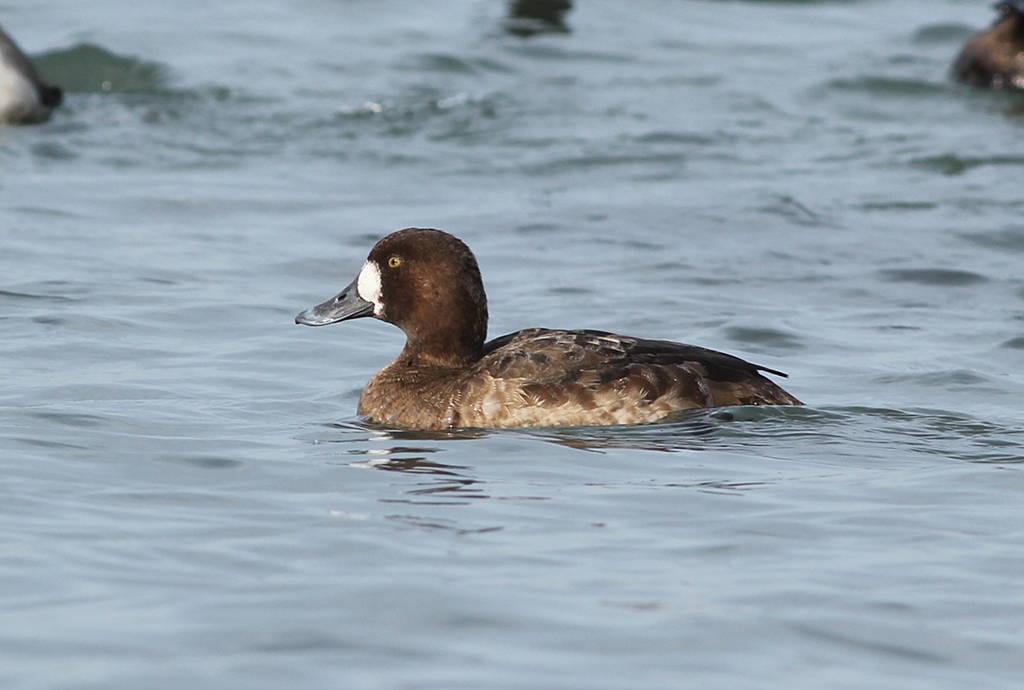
189	500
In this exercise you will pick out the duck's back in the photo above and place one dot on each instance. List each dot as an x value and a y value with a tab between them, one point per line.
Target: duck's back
540	377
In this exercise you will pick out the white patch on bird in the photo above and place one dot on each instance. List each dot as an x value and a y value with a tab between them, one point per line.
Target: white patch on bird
368	286
18	98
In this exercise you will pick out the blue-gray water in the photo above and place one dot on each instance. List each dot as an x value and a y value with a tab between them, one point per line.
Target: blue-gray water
187	499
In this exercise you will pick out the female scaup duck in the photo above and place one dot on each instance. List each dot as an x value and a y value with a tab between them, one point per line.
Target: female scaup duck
995	58
427	283
24	97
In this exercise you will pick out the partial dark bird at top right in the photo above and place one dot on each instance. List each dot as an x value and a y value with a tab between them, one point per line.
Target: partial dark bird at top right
531	17
995	58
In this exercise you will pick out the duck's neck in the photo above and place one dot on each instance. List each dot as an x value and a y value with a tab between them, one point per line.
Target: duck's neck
442	349
412	359
453	338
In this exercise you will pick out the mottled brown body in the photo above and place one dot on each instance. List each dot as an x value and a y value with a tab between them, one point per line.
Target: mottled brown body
541	377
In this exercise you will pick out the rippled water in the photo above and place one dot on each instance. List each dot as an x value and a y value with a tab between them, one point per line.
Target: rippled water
188	499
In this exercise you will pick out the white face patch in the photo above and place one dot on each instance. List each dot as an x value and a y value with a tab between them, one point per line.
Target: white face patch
368	286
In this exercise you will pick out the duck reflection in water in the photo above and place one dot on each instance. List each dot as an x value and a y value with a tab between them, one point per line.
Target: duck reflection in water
408	452
531	17
24	97
995	58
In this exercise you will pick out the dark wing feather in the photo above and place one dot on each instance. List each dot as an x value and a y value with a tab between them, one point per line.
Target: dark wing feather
596	360
549	356
537	350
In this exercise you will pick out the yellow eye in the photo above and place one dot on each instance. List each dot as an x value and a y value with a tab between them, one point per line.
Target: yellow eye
394	262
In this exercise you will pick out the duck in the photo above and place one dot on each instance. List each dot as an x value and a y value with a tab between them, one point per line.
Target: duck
448	376
24	97
531	17
995	58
